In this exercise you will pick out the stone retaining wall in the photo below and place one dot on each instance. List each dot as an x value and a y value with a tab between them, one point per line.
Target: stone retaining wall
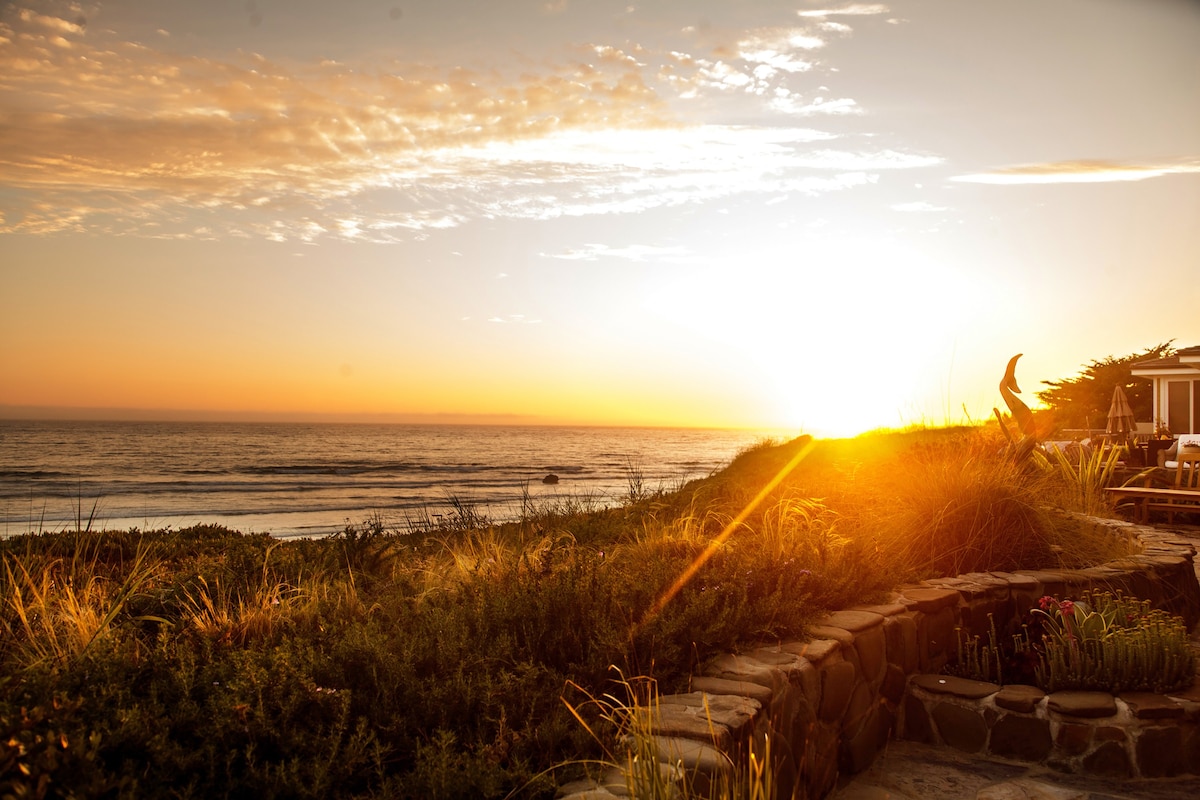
830	703
1131	735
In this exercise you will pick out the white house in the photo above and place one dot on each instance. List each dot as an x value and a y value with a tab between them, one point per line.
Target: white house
1176	389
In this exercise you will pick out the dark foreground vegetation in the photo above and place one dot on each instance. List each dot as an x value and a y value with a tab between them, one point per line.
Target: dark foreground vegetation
204	663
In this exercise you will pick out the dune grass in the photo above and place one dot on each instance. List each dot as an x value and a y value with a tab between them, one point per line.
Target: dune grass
432	662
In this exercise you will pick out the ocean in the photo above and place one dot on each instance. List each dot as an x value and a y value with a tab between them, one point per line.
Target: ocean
294	479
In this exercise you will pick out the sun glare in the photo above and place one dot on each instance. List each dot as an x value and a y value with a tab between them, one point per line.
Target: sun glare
843	339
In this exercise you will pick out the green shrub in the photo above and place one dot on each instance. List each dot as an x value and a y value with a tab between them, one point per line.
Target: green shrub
39	756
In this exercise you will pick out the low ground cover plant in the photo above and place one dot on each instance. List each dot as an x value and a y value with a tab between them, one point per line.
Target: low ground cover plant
1111	642
431	662
1101	641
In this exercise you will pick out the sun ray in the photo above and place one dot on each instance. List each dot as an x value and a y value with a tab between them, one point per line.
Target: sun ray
689	573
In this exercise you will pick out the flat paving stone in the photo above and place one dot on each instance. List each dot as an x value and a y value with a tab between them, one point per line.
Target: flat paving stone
1016	581
883	610
853	621
953	685
1029	789
702	683
840	635
929	600
815	650
1082	704
1019	697
1147	705
928	772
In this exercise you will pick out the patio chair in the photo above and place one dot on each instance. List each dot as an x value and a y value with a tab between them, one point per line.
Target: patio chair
1187	476
1187	469
1168	457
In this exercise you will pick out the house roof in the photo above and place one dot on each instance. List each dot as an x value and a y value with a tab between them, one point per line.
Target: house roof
1186	358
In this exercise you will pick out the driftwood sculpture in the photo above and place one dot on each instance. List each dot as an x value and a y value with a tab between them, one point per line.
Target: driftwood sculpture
1020	448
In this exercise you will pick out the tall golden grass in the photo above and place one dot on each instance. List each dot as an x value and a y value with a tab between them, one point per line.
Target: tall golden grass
56	608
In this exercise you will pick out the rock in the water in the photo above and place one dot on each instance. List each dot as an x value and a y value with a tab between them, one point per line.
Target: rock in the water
551	478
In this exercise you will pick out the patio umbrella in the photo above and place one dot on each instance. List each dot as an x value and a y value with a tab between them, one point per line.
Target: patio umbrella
1120	414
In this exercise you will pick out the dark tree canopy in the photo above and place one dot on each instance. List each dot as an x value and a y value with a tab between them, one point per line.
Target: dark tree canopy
1083	401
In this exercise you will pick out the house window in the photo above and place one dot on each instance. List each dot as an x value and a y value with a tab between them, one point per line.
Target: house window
1183	406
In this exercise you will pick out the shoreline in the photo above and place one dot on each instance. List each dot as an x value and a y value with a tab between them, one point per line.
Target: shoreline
419	515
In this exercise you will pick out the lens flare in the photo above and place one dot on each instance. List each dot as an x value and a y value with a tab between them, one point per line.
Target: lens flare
707	553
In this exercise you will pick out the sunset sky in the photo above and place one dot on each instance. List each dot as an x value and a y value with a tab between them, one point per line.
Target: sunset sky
829	217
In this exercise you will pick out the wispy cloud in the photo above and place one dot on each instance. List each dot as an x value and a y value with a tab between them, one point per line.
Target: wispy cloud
514	319
1080	172
853	10
49	22
918	206
107	135
633	252
792	103
762	63
778	49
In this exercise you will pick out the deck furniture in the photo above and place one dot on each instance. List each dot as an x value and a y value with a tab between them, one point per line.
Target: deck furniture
1187	469
1147	499
1182	497
1185	442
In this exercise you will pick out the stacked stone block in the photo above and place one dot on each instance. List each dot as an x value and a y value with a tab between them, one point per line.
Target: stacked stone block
1130	735
829	704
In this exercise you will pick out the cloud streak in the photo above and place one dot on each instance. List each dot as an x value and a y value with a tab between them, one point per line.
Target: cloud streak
916	207
1078	172
639	253
852	10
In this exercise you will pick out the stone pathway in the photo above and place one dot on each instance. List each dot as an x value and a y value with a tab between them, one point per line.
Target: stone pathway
912	771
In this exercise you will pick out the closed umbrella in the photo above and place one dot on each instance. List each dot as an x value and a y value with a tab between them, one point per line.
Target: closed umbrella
1120	413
